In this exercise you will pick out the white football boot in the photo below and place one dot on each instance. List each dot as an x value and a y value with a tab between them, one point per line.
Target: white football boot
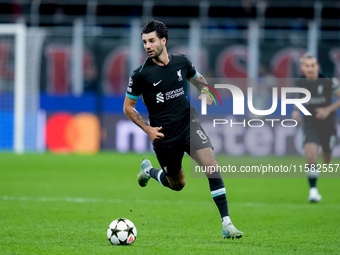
144	176
229	231
314	195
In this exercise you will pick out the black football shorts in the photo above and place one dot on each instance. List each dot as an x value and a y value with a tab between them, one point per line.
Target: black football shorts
323	134
170	154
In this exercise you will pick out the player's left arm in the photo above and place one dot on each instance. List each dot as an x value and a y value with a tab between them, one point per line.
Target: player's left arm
200	83
323	112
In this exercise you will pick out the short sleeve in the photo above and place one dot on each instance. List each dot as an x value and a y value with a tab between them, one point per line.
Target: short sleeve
335	85
192	73
134	89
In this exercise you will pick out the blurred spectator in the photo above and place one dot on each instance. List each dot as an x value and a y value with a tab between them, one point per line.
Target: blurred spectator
90	74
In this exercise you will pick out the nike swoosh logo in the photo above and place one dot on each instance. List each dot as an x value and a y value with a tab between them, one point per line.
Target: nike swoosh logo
155	84
205	141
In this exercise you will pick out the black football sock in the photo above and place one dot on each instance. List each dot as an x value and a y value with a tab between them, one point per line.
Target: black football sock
312	182
312	177
218	193
159	176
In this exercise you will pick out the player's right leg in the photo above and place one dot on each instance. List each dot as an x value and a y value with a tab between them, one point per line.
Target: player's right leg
143	176
311	150
169	156
147	172
175	182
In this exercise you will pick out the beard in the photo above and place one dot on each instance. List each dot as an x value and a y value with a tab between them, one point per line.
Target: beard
158	52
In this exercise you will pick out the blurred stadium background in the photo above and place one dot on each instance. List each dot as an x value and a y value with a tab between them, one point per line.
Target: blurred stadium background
65	65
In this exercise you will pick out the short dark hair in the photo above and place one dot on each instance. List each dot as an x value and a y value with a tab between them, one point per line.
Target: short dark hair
158	26
307	55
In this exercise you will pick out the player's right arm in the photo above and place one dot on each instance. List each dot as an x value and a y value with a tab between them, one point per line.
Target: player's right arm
131	112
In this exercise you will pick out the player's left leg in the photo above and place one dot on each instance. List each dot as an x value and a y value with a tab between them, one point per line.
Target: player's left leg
326	156
327	138
328	142
311	141
205	157
171	174
199	147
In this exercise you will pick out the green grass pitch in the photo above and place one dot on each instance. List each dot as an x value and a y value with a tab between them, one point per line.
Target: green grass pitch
63	204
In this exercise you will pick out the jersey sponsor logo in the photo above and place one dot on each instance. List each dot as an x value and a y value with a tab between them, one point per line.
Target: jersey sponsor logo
156	83
317	100
179	74
174	93
169	95
160	97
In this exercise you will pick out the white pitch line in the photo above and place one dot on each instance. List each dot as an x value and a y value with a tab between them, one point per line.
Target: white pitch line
154	201
60	199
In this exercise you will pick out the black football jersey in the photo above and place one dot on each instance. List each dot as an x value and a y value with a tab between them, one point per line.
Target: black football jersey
322	93
162	89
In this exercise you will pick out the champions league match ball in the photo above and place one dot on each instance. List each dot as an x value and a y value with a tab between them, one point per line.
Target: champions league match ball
122	232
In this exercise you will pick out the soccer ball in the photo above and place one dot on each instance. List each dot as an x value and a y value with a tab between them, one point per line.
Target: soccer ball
122	232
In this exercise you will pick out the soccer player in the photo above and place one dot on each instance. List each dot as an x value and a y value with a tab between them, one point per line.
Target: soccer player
174	126
320	127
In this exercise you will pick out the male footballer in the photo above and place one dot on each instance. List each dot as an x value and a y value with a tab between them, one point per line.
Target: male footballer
174	127
319	129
